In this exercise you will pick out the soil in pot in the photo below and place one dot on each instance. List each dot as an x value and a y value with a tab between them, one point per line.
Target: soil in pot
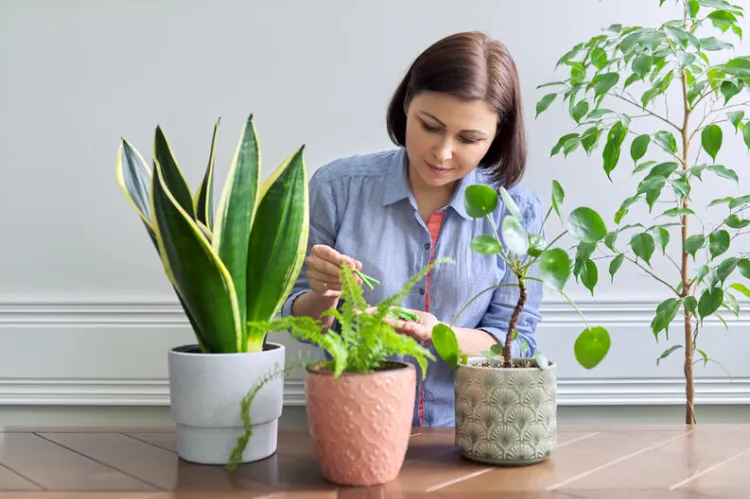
506	416
361	422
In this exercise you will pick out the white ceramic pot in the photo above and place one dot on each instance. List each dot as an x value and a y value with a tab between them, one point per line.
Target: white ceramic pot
206	392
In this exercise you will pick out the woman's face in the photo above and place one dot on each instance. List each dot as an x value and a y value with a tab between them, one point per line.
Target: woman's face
446	138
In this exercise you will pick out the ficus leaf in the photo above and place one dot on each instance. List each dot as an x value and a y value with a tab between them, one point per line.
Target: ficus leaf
710	301
667	140
725	268
718	242
711	139
515	235
554	267
590	275
586	225
611	152
558	196
744	267
735	117
615	265
723	172
661	236
694	243
639	147
511	205
544	103
486	245
691	304
642	65
643	246
741	288
592	346
666	311
480	200
667	353
446	345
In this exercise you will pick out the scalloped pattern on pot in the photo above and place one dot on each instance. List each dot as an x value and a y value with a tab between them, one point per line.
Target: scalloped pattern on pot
361	423
506	416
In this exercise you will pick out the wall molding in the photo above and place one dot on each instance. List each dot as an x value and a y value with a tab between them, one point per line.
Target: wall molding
571	392
164	313
62	385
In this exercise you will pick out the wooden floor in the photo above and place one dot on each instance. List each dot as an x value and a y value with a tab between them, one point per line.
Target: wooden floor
590	463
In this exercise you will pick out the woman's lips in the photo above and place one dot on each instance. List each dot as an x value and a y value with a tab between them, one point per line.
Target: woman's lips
437	170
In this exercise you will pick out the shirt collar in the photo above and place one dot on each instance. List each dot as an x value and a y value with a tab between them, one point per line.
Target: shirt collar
397	186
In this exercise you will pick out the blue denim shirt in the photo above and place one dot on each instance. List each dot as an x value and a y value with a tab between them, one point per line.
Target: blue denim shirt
363	207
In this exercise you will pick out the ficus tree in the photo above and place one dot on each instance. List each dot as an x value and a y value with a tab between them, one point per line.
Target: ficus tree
620	89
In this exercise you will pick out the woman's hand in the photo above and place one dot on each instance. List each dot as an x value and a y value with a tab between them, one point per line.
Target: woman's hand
420	330
323	267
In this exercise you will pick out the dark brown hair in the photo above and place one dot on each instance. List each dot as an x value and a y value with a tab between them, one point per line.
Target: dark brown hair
470	66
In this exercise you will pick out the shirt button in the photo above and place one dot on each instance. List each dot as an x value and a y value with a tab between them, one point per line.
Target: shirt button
421	291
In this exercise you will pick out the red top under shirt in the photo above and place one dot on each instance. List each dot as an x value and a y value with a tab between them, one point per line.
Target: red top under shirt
433	226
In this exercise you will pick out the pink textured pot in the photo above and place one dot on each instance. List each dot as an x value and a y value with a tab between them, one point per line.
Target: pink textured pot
361	423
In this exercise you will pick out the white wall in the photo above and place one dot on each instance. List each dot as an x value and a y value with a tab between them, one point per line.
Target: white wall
86	313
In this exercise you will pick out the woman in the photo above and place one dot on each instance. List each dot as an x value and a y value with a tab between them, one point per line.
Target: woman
457	120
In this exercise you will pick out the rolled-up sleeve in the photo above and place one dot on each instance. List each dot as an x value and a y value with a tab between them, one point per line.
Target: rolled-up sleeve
323	230
500	310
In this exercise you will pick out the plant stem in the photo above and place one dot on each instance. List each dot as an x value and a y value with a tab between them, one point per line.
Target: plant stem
655	115
505	285
503	254
514	320
653	275
689	339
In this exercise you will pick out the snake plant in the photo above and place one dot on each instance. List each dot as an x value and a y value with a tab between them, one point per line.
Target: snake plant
234	267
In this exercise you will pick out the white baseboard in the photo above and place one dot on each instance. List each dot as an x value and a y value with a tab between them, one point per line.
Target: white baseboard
114	354
571	392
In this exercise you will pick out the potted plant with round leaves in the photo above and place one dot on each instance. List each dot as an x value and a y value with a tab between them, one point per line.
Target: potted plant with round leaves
618	89
229	270
359	400
506	407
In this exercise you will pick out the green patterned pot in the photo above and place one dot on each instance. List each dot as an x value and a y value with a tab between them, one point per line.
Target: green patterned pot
506	416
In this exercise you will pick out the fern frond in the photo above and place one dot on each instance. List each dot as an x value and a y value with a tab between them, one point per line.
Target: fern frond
396	299
307	329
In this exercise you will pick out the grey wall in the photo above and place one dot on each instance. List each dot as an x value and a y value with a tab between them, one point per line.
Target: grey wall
86	313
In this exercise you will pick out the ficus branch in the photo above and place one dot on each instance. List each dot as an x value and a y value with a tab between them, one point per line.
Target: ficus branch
651	113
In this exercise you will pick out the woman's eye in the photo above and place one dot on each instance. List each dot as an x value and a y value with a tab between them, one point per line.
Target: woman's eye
469	140
429	128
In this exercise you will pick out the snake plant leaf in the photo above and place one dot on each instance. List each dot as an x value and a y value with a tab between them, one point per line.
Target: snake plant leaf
278	241
204	198
173	178
236	210
134	178
201	280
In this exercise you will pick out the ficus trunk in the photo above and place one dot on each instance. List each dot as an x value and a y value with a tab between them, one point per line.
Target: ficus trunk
514	320
689	340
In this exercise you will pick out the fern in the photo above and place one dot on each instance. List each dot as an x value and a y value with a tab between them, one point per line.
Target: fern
366	340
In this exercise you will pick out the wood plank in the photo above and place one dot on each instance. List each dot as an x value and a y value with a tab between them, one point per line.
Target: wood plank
433	460
10	480
571	460
56	468
730	473
154	465
92	495
667	464
287	473
167	441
